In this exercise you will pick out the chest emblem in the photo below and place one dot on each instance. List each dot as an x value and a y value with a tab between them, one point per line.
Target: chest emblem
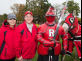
51	33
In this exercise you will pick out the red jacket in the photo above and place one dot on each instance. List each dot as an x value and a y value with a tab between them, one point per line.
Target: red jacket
25	44
45	33
7	36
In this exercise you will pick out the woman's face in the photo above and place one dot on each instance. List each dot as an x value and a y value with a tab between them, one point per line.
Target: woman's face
11	22
28	18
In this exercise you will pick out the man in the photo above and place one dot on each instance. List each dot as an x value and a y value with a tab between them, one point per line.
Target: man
25	44
50	49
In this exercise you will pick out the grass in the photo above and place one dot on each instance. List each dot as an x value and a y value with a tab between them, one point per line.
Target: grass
37	25
67	58
72	57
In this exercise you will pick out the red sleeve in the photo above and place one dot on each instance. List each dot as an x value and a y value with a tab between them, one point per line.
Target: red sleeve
17	40
64	37
40	39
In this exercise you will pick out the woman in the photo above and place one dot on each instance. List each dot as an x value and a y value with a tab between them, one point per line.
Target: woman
25	44
7	38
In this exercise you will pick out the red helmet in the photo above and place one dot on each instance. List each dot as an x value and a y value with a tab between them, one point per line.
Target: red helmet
50	15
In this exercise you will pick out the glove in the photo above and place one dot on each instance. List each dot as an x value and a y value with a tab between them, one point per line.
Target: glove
63	51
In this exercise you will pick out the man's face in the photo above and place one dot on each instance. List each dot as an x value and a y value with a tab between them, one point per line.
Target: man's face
28	18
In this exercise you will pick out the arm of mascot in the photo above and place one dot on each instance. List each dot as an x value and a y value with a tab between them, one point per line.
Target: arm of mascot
64	37
43	41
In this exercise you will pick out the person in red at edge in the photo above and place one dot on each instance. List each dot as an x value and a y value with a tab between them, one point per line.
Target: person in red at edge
7	38
45	36
25	42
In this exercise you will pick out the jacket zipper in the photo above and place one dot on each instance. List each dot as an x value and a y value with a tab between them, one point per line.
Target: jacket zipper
29	31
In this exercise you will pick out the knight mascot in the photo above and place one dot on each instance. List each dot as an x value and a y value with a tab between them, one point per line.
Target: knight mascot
49	48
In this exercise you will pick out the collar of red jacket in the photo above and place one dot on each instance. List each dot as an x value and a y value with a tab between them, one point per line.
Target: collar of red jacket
25	23
34	26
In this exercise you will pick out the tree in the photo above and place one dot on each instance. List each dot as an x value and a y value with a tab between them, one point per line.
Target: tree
38	8
0	17
19	10
72	6
79	19
58	11
3	17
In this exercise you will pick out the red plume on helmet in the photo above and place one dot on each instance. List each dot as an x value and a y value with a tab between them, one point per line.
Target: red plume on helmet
50	15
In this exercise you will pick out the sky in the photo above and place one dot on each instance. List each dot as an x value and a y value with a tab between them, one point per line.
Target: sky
5	4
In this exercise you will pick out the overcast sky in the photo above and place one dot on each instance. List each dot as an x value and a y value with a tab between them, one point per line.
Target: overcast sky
5	4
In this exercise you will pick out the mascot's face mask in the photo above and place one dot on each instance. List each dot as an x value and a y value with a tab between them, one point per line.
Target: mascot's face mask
50	15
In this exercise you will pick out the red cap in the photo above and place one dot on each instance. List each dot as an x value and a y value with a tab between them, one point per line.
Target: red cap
28	12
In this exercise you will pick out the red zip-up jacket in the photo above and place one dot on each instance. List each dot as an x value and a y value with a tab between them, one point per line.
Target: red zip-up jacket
25	44
7	36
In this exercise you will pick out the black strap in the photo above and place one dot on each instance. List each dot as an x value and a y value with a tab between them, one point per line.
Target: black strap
71	33
3	44
2	47
74	38
70	39
51	52
22	32
77	38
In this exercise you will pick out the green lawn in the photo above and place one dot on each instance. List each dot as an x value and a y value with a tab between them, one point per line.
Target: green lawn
66	59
